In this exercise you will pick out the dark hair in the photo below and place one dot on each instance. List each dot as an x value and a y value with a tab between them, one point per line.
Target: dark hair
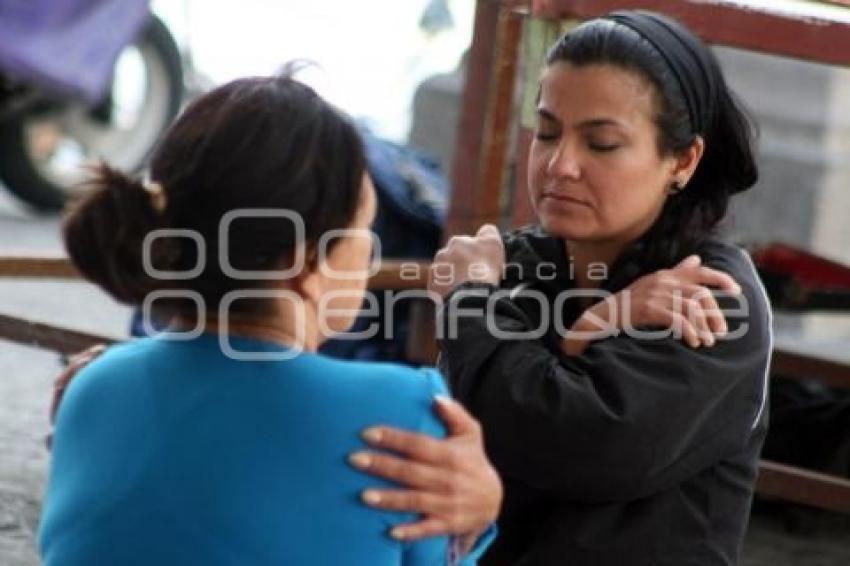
254	143
727	165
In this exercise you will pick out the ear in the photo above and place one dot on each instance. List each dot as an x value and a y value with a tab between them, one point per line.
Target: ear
686	162
310	285
308	282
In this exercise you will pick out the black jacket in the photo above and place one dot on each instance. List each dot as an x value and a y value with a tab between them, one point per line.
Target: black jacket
639	452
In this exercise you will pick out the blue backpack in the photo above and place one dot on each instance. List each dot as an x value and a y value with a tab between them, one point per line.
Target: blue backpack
412	203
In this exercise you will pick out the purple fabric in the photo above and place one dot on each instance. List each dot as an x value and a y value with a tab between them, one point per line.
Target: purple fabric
67	47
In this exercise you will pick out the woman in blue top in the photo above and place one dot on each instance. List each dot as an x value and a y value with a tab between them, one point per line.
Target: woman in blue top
227	440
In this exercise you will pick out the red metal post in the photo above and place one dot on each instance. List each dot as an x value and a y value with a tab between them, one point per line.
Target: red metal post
473	114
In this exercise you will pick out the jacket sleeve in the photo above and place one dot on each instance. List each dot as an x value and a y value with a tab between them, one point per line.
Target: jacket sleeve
629	418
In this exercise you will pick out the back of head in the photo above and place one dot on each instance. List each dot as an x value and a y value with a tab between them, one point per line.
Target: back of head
692	99
255	145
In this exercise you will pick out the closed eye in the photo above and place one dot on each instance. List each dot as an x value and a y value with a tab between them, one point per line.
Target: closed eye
547	128
603	148
545	136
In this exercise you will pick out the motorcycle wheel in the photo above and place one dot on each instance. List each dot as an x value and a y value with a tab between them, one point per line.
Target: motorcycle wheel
44	155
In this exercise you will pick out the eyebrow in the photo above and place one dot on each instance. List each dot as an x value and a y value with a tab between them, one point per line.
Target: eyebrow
592	123
545	114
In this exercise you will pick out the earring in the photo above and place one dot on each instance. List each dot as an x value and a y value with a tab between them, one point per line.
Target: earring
676	187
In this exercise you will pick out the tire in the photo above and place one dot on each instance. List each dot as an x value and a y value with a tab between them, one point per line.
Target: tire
47	187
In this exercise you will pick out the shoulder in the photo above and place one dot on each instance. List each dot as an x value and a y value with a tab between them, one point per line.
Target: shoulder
749	316
398	394
532	256
110	373
728	256
737	262
392	376
109	403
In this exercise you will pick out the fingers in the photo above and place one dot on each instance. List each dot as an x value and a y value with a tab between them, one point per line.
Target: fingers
689	262
428	527
697	317
689	317
419	447
458	421
457	241
705	306
409	501
447	478
403	471
714	314
87	355
709	277
75	364
477	258
686	329
488	230
706	316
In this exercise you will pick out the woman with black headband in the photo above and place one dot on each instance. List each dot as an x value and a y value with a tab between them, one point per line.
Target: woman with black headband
624	410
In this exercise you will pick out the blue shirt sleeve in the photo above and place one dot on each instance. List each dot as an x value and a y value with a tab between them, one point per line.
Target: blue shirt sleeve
423	552
481	545
431	551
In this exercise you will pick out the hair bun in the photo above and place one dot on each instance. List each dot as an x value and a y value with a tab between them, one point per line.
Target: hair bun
104	233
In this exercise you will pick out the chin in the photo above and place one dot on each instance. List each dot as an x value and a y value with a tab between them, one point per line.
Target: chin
566	228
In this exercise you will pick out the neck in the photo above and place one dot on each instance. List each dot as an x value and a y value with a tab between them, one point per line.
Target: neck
585	255
280	329
275	331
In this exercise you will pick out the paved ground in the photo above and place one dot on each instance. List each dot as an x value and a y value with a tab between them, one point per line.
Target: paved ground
25	384
26	374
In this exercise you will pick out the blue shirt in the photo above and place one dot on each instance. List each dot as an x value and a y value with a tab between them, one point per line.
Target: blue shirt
169	452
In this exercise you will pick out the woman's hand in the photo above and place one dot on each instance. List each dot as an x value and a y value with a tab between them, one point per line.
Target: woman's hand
60	384
468	258
680	299
449	481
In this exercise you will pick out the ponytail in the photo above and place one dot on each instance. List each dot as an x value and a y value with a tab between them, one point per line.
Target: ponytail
104	234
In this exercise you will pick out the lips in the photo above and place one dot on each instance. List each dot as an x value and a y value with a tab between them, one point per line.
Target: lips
563	198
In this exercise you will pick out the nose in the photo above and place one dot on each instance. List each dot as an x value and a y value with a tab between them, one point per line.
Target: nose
564	161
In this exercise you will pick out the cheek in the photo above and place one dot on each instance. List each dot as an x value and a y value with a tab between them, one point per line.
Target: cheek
537	164
340	312
350	262
361	257
352	254
345	285
625	195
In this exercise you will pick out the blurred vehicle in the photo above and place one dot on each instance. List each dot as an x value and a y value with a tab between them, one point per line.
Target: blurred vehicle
81	81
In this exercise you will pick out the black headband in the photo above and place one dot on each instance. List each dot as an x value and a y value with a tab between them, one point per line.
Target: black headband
686	56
